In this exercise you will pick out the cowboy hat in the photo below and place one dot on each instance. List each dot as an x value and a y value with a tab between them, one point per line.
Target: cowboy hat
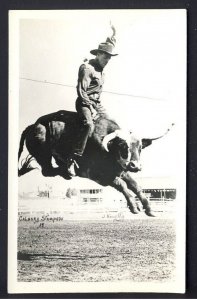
105	48
108	46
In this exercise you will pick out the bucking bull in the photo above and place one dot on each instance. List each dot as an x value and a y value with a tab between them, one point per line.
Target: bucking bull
110	157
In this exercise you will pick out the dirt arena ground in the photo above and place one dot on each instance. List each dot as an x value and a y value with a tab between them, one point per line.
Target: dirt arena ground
139	250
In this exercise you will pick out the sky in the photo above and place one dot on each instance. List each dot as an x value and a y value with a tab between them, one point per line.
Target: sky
145	85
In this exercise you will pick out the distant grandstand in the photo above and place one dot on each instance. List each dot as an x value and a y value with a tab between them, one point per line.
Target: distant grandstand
94	201
158	187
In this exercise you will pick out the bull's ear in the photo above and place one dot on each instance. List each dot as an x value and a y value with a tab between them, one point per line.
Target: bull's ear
146	143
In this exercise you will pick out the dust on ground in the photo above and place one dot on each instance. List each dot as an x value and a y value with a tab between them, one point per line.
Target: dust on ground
140	250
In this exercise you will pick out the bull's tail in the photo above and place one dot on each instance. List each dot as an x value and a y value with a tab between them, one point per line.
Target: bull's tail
22	141
25	165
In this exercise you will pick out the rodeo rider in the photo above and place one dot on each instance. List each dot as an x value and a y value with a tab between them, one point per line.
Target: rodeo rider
89	88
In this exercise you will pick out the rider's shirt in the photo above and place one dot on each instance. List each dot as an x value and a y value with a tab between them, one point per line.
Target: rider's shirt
90	83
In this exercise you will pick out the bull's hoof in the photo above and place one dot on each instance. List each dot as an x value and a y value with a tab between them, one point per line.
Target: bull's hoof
133	207
133	210
149	212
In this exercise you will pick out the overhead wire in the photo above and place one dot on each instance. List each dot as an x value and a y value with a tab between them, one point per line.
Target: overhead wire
72	86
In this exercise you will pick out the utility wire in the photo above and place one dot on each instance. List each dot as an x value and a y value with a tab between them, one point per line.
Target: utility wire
72	86
48	82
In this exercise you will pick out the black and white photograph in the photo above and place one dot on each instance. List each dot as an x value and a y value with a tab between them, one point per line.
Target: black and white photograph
97	151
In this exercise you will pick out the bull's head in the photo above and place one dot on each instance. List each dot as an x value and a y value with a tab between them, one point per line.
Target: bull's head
127	148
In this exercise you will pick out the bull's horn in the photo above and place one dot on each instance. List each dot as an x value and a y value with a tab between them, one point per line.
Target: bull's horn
153	139
118	133
108	138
